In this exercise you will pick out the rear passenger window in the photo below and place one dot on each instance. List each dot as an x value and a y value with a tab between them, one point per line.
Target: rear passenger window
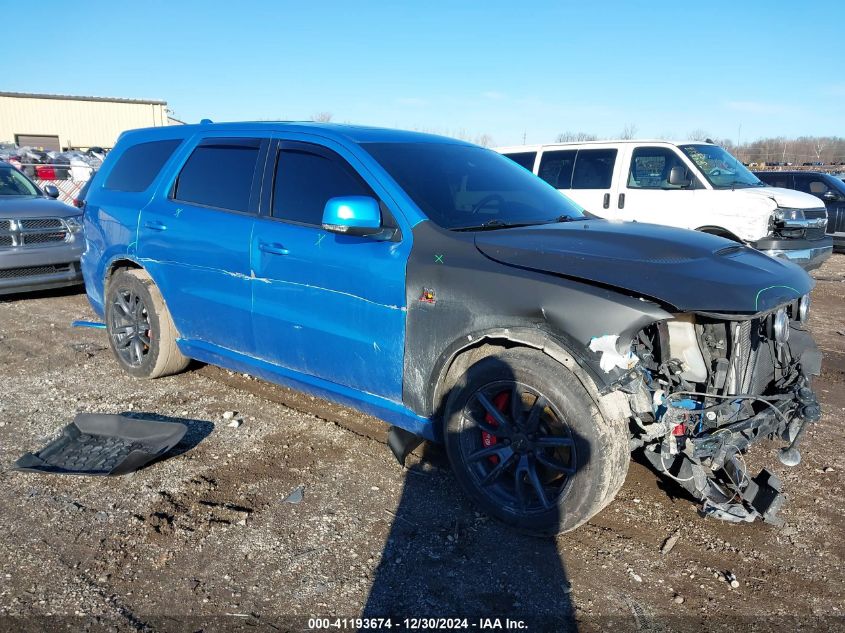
306	180
219	174
523	159
556	168
138	166
594	169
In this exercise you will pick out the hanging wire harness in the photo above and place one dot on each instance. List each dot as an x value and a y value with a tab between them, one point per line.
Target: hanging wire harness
707	387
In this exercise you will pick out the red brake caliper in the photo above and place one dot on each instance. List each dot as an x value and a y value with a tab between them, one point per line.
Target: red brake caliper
488	439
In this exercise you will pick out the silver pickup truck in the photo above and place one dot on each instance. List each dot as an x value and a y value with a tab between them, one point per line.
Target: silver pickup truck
40	237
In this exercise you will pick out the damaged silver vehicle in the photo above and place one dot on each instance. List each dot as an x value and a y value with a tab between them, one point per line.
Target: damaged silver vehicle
445	289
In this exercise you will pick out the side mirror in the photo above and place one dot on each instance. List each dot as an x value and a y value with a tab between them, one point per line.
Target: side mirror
52	191
352	215
679	176
830	196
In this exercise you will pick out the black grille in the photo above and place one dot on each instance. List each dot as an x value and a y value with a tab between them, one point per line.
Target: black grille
5	240
42	223
5	225
32	271
44	238
815	214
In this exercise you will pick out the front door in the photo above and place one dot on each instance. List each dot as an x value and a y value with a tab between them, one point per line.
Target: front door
324	304
195	242
645	193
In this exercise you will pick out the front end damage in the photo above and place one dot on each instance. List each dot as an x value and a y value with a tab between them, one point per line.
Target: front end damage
704	387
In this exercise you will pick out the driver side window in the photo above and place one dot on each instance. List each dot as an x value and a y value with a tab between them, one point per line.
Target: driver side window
651	166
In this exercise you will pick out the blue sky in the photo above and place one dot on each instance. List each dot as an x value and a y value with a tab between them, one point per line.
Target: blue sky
506	69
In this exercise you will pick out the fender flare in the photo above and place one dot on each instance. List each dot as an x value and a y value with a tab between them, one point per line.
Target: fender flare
585	369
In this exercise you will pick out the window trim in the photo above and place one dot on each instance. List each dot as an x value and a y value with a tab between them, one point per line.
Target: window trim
261	143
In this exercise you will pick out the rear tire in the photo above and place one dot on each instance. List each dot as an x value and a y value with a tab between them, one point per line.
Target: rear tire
563	461
141	333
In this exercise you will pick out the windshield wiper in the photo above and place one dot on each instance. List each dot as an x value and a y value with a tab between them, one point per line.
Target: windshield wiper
493	224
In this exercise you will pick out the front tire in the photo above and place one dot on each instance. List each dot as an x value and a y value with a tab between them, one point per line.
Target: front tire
141	333
528	444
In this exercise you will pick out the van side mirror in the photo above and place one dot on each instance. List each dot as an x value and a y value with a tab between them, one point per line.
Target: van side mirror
831	196
52	191
352	215
679	176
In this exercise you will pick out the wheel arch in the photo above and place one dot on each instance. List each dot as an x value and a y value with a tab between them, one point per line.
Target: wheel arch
471	348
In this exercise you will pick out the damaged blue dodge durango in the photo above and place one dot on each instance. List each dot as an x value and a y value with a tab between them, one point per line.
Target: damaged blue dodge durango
450	292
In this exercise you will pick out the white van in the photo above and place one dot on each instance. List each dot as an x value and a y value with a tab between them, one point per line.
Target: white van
690	185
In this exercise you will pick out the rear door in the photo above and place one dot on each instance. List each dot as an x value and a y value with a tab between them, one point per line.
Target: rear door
645	195
586	175
194	238
325	304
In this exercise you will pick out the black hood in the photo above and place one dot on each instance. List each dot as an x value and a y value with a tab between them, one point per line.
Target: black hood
688	270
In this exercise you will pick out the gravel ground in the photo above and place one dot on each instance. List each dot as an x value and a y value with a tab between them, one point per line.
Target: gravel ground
205	539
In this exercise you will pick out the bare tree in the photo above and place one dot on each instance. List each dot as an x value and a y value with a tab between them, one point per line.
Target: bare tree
322	117
629	132
485	140
698	134
578	137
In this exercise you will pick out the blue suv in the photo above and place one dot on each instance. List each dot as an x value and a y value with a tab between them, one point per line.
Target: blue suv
443	288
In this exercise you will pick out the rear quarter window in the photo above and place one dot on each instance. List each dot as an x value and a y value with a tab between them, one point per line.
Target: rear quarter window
138	166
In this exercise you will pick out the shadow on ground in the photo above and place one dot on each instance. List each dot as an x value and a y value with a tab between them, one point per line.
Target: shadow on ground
443	559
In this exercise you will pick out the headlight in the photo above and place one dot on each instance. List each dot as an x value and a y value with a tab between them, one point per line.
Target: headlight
781	326
804	308
782	214
74	224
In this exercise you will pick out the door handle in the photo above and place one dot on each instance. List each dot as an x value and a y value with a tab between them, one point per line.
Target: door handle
621	200
606	203
273	249
155	225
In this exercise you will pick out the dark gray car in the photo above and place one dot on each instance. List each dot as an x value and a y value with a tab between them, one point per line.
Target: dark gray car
40	237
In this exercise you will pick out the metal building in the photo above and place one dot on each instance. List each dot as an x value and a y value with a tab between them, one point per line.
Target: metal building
56	122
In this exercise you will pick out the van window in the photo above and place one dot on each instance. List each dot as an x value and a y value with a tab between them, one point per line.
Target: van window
556	167
138	166
219	174
524	159
305	181
650	167
594	169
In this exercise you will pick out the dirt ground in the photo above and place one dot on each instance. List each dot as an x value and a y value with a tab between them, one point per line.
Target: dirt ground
205	540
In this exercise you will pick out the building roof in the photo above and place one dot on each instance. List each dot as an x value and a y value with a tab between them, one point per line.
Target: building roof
33	95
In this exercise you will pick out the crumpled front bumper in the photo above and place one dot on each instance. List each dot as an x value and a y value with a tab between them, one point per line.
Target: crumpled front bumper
808	258
710	464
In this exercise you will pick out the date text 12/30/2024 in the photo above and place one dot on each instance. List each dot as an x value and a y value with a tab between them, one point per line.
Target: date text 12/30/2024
417	624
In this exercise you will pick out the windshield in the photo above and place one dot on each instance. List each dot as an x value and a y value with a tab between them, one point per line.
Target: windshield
721	169
14	183
463	187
